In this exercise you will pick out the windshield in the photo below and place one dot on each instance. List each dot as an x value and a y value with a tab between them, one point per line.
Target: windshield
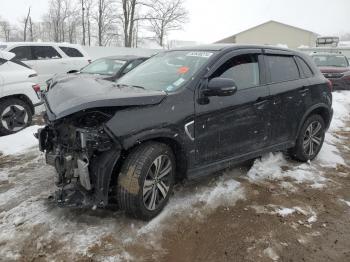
166	71
330	60
104	66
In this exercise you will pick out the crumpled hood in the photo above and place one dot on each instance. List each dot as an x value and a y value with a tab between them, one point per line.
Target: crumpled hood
71	95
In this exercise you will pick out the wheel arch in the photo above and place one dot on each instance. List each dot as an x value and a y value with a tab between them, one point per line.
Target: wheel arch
21	97
176	146
320	109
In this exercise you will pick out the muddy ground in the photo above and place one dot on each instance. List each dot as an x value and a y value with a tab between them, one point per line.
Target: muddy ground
301	212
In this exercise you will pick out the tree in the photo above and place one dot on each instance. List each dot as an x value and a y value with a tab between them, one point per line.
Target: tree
106	19
82	19
26	21
5	28
130	18
166	16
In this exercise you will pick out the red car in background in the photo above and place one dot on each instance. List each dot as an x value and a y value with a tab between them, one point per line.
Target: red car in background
334	67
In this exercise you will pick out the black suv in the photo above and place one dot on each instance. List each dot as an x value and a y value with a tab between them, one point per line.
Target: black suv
184	113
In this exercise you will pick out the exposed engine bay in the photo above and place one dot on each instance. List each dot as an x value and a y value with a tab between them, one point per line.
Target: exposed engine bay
83	154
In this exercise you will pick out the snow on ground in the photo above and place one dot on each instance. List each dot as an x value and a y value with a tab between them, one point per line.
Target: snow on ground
28	217
19	142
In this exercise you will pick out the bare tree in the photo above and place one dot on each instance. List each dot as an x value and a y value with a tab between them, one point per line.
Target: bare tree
31	30
5	28
166	16
83	20
26	21
131	17
106	19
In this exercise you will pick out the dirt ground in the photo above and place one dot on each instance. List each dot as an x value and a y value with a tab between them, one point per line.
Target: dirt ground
295	212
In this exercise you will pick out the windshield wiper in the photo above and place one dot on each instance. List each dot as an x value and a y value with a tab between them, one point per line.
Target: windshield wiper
121	85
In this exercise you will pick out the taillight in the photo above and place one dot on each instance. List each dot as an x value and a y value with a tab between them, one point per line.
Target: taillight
36	88
330	85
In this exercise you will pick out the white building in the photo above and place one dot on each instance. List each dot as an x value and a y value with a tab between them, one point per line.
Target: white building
274	33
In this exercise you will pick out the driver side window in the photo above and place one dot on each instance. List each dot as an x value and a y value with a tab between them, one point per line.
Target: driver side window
243	69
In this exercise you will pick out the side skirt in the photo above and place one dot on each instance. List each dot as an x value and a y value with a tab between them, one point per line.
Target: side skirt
205	170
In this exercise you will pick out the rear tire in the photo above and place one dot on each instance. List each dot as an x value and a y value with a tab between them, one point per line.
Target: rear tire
146	180
15	115
310	139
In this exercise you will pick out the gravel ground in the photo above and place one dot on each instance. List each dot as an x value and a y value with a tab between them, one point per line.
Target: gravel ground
269	209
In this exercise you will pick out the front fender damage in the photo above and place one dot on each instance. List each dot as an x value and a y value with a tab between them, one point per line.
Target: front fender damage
84	159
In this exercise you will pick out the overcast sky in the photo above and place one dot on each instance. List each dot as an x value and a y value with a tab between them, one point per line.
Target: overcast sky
212	20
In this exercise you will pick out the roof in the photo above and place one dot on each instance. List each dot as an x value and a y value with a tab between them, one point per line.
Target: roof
271	21
221	47
39	43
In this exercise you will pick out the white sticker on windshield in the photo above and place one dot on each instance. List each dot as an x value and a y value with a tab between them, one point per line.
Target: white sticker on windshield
179	82
200	54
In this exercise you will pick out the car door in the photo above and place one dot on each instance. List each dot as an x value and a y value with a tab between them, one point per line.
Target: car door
45	60
227	127
287	91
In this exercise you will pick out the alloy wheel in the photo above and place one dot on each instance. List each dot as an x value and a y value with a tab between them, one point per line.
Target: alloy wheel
14	118
313	138
157	182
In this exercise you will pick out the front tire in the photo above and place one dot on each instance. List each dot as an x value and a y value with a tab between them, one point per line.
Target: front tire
146	180
310	139
15	115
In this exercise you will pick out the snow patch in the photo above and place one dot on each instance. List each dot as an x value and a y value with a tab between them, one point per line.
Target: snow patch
271	254
225	192
20	142
346	202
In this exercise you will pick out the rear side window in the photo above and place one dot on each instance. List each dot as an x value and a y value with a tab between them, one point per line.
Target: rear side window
282	68
71	52
304	67
243	69
44	52
23	53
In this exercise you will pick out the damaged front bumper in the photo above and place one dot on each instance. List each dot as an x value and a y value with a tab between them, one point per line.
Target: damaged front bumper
84	159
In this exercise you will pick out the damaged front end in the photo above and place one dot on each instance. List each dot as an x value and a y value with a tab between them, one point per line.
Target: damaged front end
84	155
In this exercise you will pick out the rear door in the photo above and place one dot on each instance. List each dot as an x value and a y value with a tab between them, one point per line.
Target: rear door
45	60
287	90
227	127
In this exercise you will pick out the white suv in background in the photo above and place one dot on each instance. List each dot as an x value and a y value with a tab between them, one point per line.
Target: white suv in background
48	59
19	94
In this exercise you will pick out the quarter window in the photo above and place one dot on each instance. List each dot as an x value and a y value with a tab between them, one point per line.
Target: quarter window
71	52
282	68
23	53
44	52
243	69
304	67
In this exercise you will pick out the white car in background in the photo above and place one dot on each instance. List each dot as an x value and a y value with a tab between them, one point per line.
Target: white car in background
19	94
48	59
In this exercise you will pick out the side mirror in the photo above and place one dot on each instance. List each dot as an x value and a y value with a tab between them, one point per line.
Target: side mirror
220	87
